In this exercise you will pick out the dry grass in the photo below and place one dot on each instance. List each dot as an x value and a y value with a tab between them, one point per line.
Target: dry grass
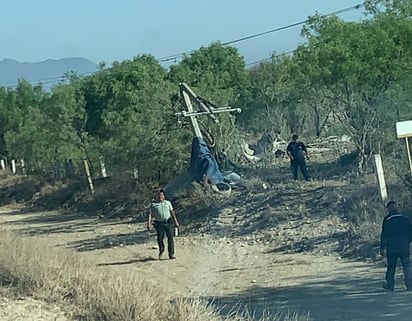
364	212
197	198
254	184
197	204
33	268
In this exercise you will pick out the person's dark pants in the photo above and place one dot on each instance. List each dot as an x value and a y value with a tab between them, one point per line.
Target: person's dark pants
299	163
162	229
392	259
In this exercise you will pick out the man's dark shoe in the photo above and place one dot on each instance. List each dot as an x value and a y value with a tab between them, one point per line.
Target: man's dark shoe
172	257
160	255
388	287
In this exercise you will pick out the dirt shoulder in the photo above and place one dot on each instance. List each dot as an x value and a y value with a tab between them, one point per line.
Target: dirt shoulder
231	273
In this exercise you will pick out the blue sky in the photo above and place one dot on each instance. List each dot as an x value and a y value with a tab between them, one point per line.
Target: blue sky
115	30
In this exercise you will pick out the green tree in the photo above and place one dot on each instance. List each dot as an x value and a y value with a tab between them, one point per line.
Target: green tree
14	106
8	116
269	107
356	65
131	117
50	129
398	8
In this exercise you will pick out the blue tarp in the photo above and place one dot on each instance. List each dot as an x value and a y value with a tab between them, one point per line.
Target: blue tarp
202	163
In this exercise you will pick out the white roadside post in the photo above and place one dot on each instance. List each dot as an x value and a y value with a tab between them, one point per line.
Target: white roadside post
89	176
135	174
23	167
380	176
102	166
13	166
404	130
3	164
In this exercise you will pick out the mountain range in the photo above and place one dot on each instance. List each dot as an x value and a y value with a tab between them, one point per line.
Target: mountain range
47	72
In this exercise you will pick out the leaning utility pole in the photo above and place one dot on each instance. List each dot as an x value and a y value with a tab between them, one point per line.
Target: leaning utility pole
189	98
203	165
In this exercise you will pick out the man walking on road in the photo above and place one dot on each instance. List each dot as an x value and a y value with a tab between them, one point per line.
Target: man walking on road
395	238
297	152
162	215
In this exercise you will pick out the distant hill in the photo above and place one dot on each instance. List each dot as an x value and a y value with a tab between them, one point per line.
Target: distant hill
47	72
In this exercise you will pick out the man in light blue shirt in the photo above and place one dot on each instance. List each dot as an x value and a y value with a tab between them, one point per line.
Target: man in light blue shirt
162	215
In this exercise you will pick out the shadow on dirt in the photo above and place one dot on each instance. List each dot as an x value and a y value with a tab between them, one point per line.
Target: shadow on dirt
337	169
358	298
319	170
114	197
48	222
53	229
49	217
106	241
55	222
19	192
256	211
36	192
140	260
309	244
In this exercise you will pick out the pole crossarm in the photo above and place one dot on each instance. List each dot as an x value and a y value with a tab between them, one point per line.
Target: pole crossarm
205	107
214	111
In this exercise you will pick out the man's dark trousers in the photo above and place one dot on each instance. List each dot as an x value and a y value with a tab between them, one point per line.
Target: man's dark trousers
299	162
392	258
163	228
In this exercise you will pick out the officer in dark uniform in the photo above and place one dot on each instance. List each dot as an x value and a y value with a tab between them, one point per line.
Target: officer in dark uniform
297	152
395	238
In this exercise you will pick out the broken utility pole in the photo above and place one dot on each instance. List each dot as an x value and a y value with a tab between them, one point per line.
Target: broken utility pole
203	166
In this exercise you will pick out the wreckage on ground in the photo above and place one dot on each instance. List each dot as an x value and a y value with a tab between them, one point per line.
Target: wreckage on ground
203	165
266	147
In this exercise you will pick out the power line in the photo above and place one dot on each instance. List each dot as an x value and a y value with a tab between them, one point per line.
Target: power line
291	25
270	58
45	81
338	12
176	56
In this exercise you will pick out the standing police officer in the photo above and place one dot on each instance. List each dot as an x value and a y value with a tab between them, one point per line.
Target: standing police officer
395	238
297	152
162	215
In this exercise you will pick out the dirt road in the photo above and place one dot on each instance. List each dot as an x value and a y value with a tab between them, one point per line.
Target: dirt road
230	273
